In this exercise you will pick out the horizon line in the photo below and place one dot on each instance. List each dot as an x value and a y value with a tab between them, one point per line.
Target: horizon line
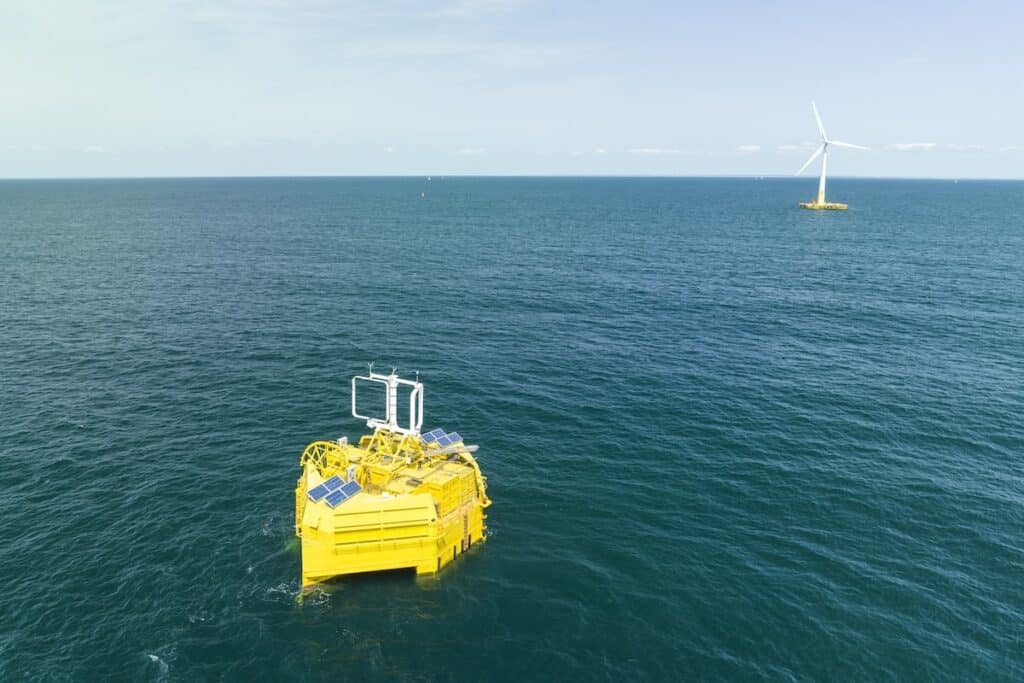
694	176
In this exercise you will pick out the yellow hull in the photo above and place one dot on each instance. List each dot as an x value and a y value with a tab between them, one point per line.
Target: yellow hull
413	510
824	206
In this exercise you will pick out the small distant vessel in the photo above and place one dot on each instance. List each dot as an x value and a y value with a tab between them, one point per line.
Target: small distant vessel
819	202
399	499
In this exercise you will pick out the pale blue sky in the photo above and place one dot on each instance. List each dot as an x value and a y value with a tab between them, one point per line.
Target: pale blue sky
507	87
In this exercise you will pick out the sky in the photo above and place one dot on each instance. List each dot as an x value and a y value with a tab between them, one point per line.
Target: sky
506	87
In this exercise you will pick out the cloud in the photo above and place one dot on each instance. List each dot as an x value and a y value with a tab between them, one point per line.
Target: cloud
470	151
94	149
748	149
966	148
795	148
653	150
600	150
473	8
1009	148
375	31
389	150
912	146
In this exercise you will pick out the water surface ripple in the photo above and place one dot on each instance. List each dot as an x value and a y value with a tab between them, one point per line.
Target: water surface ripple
724	439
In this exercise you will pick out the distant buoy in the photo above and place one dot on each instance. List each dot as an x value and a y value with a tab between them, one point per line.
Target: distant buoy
428	178
423	194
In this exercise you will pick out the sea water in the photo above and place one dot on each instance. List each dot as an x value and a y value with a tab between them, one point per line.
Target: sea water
725	437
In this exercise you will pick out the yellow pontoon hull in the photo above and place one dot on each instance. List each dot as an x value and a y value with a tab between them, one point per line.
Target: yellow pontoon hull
381	534
418	514
824	206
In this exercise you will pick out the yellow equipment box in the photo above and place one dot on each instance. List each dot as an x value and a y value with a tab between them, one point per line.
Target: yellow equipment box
399	499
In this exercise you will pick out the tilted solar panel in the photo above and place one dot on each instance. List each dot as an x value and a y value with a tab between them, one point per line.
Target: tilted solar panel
317	492
433	436
336	498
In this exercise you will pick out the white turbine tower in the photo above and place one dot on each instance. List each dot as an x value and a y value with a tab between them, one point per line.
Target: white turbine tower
822	151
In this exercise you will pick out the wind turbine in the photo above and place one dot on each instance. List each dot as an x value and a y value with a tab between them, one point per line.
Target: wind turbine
822	151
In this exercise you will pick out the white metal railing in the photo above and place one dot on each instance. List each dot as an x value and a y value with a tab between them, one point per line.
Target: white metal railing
391	384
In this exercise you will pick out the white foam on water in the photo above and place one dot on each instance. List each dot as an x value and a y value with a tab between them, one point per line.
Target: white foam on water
162	667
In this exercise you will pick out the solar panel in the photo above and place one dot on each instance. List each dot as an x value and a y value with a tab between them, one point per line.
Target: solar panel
336	498
455	437
350	489
443	440
334	482
317	492
433	436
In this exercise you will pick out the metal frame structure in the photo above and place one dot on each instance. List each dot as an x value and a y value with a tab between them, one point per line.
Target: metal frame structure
390	421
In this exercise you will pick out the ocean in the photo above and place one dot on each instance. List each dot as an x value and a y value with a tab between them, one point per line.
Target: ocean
725	438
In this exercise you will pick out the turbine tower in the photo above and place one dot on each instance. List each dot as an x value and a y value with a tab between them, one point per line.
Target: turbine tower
822	151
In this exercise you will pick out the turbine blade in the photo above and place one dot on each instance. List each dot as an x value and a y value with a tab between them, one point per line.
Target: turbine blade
814	156
847	144
817	117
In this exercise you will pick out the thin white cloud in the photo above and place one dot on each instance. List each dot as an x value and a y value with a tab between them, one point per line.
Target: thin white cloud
653	150
1009	148
470	151
94	149
748	149
505	53
794	148
600	150
966	148
464	9
912	146
389	150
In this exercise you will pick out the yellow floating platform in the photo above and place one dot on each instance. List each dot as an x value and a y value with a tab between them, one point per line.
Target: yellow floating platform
397	500
824	206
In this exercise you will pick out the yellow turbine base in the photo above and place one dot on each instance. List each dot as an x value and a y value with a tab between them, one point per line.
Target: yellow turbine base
824	206
415	510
